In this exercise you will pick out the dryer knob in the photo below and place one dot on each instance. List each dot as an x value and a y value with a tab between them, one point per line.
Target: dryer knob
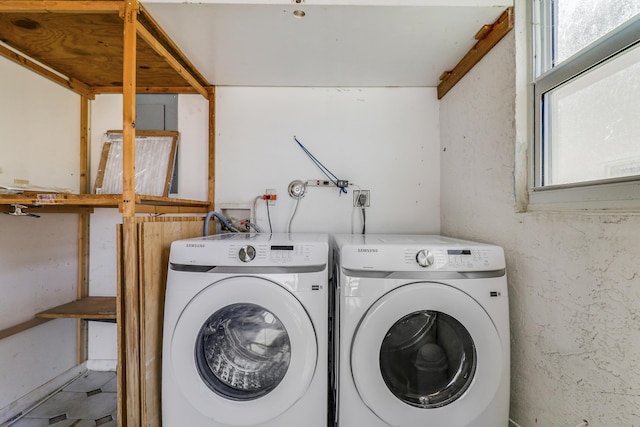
247	253
424	258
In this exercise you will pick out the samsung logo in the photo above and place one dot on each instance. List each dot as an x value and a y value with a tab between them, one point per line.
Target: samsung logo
367	250
195	245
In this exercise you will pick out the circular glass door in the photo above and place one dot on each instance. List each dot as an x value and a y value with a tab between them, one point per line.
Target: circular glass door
426	349
427	359
243	351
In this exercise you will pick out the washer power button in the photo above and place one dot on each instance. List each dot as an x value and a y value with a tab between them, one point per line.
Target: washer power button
247	253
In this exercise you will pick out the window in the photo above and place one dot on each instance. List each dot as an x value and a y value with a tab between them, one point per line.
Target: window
586	90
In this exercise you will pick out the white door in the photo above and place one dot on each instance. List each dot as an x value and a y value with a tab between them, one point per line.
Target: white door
426	351
244	350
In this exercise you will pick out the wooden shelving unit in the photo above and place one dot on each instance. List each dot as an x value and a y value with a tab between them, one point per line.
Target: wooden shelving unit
97	47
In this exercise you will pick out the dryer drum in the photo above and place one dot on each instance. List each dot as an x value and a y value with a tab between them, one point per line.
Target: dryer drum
243	351
427	359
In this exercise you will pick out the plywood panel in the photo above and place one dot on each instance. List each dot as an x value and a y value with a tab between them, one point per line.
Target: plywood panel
155	237
88	47
122	352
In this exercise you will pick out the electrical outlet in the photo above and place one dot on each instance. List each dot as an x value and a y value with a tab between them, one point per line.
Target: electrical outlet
358	196
271	196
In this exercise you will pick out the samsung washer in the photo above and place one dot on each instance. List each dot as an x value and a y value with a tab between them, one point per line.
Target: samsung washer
422	326
245	331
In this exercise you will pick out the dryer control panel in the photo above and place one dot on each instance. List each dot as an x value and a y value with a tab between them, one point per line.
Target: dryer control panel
417	253
450	259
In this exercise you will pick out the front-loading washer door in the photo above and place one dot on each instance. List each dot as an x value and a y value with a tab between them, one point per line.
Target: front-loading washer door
243	351
426	351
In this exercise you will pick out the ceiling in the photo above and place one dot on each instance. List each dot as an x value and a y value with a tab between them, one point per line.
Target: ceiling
338	43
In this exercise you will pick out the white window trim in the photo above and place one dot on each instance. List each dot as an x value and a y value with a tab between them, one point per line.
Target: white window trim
616	195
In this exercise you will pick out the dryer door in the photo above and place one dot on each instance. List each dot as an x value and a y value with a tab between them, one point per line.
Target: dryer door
244	350
426	351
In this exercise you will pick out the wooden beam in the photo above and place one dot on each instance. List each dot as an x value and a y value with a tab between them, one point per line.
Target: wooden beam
173	62
145	89
130	320
84	221
488	37
35	6
129	110
85	146
212	149
156	30
72	84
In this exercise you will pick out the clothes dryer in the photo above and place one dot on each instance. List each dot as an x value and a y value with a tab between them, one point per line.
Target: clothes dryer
422	327
245	331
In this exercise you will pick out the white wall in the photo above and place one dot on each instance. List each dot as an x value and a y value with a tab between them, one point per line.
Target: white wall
106	114
39	123
383	139
574	286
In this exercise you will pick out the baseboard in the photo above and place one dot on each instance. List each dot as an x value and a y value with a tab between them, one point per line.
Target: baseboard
102	364
15	409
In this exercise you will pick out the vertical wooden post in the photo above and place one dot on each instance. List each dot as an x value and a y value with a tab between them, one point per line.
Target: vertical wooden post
131	304
212	148
129	110
83	230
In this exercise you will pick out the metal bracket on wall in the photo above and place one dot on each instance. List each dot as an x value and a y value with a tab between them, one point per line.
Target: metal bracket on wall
18	210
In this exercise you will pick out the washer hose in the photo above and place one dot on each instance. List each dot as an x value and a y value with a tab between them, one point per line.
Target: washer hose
221	218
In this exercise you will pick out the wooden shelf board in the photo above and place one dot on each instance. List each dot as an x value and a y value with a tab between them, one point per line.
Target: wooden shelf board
168	201
92	48
59	209
95	200
97	308
32	323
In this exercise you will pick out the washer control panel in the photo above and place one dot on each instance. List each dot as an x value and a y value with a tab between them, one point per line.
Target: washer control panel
252	250
274	254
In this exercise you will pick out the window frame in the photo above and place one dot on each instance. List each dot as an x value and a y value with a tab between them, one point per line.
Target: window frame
607	194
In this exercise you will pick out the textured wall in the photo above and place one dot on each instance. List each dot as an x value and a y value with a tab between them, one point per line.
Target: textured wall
573	278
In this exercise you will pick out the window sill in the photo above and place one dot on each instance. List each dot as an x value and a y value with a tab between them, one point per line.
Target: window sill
609	198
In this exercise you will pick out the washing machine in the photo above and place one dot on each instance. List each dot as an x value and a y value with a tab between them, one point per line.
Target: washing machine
246	331
422	332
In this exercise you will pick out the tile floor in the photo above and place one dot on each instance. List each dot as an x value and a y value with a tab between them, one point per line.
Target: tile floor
88	401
